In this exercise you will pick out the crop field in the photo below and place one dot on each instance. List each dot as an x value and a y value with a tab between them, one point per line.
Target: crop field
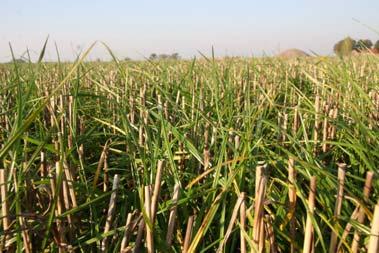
203	155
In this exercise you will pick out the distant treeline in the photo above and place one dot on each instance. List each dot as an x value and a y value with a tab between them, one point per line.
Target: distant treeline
348	45
174	56
154	56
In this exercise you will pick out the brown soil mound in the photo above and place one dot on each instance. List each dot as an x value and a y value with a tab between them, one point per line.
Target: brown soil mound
292	53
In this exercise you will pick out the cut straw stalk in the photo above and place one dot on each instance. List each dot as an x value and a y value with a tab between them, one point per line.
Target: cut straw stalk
260	192
270	234
22	224
139	238
172	217
68	194
373	245
337	209
105	173
295	125
126	236
206	152
361	211
149	230
231	223
70	122
309	236
358	214
188	236
111	210
347	229
25	236
316	126
70	184
4	206
101	163
207	158
284	127
333	127
141	140
81	147
43	171
157	187
292	200
243	223
66	203
60	204
324	134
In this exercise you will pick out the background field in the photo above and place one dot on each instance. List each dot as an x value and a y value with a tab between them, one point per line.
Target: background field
228	146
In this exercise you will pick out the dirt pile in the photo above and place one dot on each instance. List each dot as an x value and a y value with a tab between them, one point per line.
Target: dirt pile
292	53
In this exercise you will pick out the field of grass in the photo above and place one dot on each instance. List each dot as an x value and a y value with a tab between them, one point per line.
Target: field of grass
232	155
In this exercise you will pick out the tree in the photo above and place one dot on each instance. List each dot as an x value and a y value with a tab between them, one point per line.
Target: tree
344	47
368	43
163	56
376	46
362	45
153	56
337	48
175	56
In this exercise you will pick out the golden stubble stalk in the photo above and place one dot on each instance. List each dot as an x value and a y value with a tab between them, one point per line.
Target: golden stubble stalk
188	235
149	230
70	184
337	209
111	212
373	244
284	127
359	213
172	216
60	205
292	200
4	206
317	123
243	223
100	164
157	187
260	194
308	246
70	122
81	147
126	237
231	222
325	129
361	210
270	234
138	241
206	152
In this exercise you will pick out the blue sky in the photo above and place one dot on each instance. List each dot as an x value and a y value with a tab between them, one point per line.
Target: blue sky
139	28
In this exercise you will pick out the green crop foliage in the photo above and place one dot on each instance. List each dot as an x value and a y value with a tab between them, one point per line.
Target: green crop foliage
66	129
